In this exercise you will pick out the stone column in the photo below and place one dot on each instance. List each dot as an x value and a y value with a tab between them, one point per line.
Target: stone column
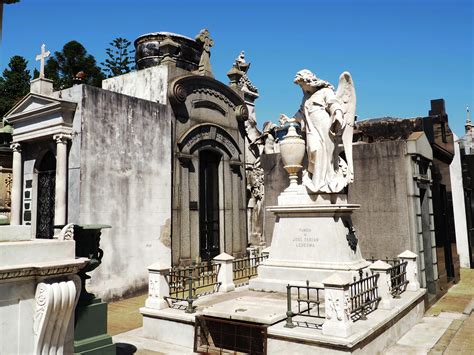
412	270
383	283
158	287
16	199
60	204
337	307
226	275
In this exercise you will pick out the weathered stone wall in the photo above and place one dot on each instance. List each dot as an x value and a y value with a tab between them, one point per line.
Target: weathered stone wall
380	187
275	181
124	167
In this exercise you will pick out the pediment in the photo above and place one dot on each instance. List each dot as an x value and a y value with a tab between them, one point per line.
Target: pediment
38	116
33	105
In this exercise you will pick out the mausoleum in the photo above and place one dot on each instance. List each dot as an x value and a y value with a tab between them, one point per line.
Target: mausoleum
158	154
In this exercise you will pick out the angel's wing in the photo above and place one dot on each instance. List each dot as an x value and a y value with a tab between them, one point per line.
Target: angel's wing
347	97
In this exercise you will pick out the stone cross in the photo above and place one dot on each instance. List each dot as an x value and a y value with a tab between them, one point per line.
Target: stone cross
41	57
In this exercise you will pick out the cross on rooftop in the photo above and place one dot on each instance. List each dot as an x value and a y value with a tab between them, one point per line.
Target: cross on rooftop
44	54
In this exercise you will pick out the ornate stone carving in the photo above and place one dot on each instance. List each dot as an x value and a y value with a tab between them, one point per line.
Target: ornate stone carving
179	93
207	42
62	138
327	117
16	147
255	191
242	112
67	233
16	274
55	303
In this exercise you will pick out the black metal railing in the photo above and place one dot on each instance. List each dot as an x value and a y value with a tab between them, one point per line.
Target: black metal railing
398	279
246	268
364	296
190	282
308	304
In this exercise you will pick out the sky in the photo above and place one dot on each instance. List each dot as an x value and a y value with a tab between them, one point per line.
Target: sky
401	54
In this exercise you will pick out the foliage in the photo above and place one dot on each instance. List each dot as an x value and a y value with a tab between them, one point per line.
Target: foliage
63	66
14	83
120	59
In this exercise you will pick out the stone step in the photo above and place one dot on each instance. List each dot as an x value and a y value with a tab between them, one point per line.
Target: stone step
431	335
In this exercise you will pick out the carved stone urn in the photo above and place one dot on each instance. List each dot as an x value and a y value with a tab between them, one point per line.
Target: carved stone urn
292	149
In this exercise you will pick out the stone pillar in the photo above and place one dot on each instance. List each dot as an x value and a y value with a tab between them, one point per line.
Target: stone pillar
226	275
412	270
383	283
16	185
158	287
337	306
60	204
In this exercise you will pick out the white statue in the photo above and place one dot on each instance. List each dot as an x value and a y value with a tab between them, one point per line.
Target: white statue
326	117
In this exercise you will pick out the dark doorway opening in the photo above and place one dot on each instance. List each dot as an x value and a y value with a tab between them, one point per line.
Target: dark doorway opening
46	196
209	203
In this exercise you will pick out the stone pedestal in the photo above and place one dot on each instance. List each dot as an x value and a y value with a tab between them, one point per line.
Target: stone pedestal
38	292
90	332
312	239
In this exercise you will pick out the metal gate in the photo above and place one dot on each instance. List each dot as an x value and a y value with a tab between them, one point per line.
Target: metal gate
45	204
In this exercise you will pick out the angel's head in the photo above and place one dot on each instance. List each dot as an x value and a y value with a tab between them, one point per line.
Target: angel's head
305	78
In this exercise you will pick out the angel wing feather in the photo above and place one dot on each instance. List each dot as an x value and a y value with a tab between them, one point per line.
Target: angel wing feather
347	96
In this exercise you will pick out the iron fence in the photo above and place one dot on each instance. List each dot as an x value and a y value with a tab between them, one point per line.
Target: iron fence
364	296
190	282
246	268
309	305
398	279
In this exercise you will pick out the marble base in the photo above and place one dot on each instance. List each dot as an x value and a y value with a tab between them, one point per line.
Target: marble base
311	241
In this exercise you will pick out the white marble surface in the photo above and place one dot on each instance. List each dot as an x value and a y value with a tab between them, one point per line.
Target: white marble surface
14	233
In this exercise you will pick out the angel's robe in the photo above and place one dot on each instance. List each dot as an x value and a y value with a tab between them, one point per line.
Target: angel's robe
316	113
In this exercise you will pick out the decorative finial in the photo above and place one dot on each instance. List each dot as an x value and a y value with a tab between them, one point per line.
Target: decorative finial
240	58
41	57
468	124
207	42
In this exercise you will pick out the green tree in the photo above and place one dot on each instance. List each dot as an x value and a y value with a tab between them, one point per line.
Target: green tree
120	59
63	66
14	83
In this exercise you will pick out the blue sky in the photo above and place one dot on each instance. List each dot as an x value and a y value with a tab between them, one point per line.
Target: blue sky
400	53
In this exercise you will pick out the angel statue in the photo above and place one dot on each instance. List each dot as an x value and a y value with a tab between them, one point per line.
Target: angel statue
327	117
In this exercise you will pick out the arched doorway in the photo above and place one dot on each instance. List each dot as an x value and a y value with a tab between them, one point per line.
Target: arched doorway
46	195
209	161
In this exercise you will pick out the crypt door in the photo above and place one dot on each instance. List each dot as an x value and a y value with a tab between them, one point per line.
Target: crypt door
209	204
46	196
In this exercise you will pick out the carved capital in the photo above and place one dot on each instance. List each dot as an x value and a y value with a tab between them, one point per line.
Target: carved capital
62	138
16	147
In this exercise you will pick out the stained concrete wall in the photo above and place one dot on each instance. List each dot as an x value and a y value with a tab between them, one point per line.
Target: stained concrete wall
380	187
120	174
